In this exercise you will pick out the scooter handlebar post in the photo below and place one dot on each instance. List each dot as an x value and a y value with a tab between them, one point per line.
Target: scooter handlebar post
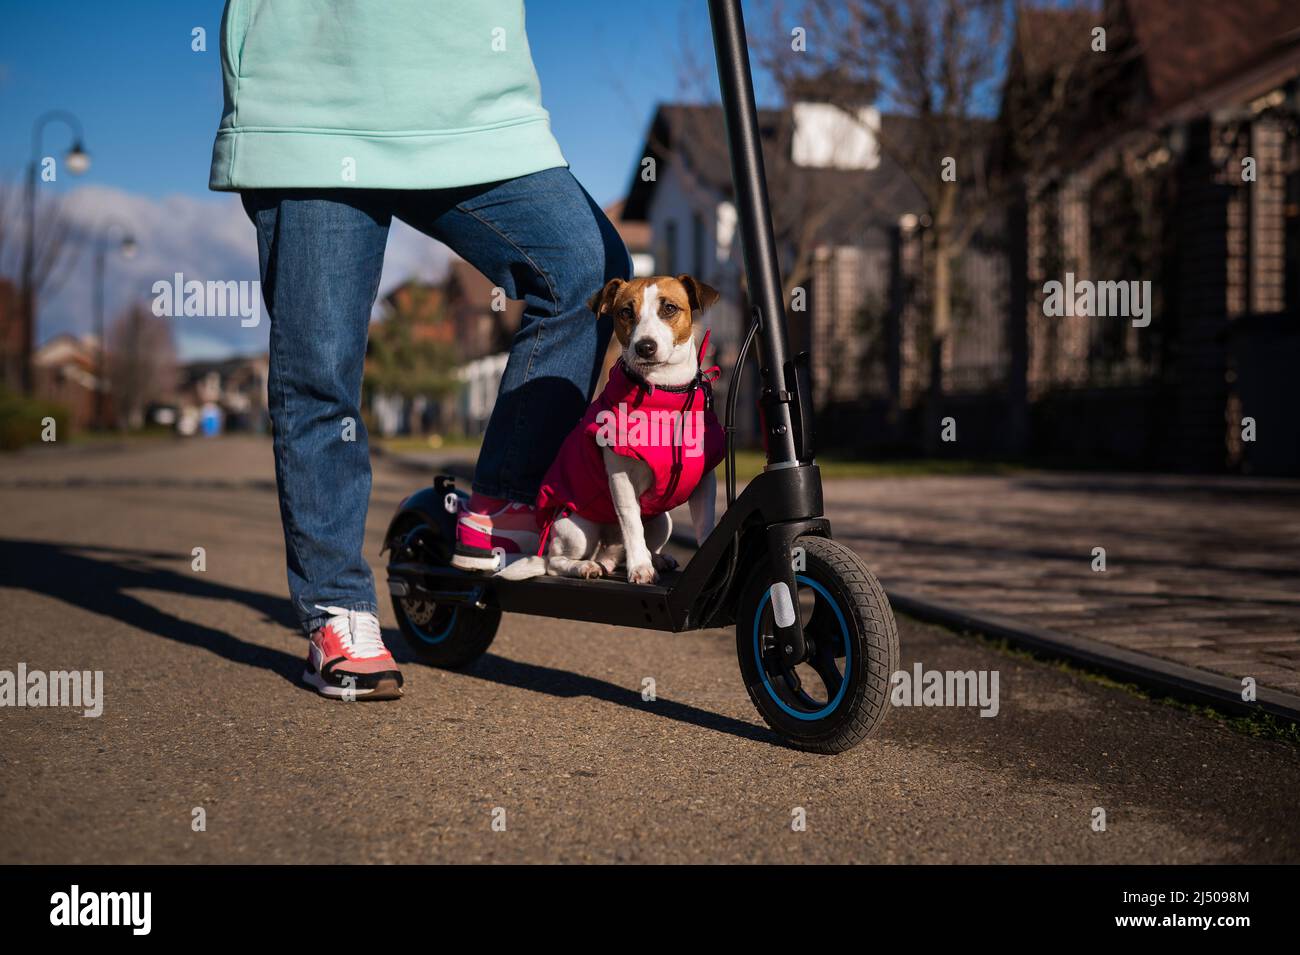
762	266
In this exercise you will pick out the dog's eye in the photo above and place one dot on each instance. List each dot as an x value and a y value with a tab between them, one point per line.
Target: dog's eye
625	312
670	309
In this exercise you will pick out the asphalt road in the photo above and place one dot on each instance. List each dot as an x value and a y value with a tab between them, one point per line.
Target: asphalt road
204	709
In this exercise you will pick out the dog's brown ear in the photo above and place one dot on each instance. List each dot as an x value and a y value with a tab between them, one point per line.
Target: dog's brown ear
701	296
602	301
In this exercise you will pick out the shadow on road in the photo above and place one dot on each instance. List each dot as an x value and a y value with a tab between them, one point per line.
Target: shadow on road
567	685
98	579
100	583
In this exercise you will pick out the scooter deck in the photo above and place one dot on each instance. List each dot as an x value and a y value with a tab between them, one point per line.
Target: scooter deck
788	498
603	600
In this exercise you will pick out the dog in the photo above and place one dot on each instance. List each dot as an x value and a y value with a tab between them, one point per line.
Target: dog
605	500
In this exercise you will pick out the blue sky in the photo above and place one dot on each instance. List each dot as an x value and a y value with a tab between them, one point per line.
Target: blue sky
150	105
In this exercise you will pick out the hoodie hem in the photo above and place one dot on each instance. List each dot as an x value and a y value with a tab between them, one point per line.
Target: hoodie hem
244	158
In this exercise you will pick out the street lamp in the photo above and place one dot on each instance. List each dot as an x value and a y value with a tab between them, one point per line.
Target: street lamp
77	161
104	241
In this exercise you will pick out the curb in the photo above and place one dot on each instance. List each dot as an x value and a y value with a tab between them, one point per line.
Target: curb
1176	680
1171	679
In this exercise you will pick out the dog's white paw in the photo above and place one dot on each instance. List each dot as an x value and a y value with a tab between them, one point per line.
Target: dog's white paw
589	570
608	564
642	574
664	561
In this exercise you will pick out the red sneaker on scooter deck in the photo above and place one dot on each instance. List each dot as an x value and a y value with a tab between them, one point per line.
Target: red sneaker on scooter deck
489	527
347	659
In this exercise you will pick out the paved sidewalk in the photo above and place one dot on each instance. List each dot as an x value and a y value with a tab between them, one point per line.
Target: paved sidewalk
204	706
1204	572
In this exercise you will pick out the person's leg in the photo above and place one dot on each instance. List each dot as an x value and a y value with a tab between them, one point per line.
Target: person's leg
541	239
321	254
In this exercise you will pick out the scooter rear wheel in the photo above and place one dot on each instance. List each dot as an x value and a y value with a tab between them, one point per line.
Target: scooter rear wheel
840	695
445	636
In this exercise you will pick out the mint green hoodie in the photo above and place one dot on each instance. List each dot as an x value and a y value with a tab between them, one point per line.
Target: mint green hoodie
379	94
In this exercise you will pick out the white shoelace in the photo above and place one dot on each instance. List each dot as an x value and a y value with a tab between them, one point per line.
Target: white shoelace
361	631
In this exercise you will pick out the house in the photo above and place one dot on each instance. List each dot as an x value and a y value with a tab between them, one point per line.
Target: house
66	372
1175	161
484	319
849	224
425	303
485	322
636	235
230	393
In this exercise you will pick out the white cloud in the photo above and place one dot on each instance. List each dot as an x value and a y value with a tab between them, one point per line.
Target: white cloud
202	238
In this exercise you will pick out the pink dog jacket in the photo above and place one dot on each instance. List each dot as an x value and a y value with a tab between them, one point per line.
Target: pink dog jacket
676	433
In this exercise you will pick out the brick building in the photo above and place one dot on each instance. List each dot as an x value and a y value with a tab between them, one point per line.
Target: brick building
1178	163
66	372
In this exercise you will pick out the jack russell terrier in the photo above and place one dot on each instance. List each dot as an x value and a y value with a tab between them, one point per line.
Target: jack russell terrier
647	444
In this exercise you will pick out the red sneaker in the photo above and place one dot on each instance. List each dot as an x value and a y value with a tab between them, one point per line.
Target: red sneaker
492	532
347	659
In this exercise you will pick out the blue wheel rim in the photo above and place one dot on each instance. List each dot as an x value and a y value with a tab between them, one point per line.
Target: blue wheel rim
424	635
834	702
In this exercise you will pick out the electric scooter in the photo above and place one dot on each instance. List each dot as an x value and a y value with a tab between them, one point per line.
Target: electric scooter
815	635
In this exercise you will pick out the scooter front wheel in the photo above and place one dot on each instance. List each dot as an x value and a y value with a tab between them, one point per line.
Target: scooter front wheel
839	696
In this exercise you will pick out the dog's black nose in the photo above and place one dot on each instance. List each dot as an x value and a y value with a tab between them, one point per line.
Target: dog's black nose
646	348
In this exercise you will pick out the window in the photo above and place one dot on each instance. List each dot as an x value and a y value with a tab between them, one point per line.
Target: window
698	238
669	255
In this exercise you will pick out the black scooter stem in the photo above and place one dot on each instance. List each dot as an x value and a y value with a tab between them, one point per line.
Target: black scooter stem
762	267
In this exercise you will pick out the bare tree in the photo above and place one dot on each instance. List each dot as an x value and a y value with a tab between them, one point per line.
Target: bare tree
994	96
141	363
938	64
977	100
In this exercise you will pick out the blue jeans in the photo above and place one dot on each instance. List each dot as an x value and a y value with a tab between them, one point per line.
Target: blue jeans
540	237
